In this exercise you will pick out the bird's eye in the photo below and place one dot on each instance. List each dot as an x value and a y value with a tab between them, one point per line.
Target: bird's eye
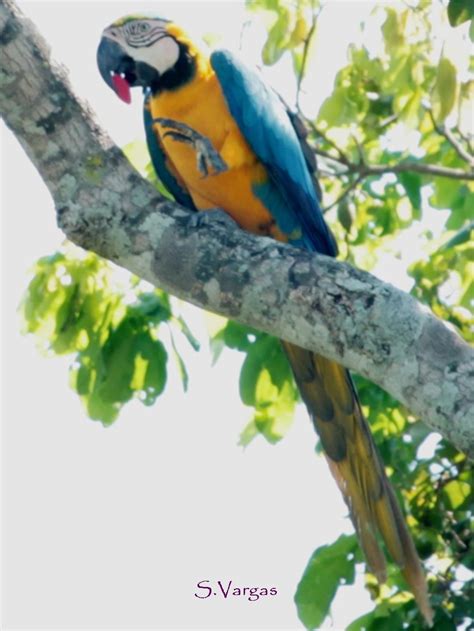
139	27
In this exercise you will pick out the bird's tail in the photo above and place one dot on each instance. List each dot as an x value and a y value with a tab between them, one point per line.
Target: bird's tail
332	401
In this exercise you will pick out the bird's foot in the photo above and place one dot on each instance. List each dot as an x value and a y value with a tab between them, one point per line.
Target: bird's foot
209	161
206	217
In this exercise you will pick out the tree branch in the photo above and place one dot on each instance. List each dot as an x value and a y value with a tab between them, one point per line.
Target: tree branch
342	158
409	165
304	60
314	301
446	133
343	195
364	170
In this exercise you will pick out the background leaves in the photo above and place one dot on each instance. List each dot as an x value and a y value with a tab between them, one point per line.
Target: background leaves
328	568
74	307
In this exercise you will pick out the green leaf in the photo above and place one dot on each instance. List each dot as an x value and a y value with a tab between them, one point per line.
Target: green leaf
344	214
278	37
258	357
444	92
411	182
186	331
465	235
233	335
466	98
180	364
445	192
212	39
274	407
461	208
83	379
265	5
300	31
457	492
156	356
364	623
137	154
460	11
393	29
151	176
411	110
329	567
154	306
266	383
100	410
249	432
119	365
338	109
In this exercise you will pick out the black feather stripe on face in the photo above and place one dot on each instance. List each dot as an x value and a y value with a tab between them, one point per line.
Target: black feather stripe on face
137	37
182	72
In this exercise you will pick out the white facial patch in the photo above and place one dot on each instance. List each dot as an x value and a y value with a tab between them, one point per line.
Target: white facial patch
162	55
147	40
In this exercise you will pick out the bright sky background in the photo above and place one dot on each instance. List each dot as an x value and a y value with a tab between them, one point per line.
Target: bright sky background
114	527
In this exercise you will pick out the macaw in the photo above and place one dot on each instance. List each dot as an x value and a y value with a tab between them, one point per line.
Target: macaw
220	138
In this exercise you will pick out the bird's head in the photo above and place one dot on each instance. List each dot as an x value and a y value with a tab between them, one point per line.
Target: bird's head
139	51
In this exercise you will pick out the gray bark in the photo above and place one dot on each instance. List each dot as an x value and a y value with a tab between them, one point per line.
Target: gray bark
314	301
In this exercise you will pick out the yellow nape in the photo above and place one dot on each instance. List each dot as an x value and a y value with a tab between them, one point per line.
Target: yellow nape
203	65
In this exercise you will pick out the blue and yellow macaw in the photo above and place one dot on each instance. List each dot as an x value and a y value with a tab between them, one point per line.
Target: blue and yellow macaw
219	138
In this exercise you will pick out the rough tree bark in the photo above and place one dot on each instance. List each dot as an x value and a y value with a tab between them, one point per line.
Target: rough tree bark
321	304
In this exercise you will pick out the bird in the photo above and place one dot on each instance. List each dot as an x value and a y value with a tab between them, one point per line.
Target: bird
222	140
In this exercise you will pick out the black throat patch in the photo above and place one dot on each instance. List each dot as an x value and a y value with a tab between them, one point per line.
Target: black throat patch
182	72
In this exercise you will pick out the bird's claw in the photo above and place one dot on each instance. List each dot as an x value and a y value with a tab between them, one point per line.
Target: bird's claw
209	161
205	218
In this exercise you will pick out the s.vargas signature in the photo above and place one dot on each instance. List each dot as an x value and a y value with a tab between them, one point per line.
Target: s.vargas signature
226	589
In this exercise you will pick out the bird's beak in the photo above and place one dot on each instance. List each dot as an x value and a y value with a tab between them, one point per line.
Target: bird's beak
110	59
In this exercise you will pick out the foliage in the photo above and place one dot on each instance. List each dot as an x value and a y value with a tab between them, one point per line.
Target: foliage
291	29
266	383
328	568
73	307
394	112
460	11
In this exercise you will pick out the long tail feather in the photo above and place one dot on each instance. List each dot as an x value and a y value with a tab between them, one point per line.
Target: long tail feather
332	401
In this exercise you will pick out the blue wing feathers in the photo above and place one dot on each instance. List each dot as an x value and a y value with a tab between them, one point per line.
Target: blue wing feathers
158	159
265	124
270	196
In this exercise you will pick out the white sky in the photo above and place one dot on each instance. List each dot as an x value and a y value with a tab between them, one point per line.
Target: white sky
113	528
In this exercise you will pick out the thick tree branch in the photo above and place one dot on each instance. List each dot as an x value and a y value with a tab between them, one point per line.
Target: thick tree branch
103	205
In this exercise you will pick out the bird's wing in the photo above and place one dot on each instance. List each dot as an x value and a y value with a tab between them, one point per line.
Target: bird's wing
310	157
264	122
163	168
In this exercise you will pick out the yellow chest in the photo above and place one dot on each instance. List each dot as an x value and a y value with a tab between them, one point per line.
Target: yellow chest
202	107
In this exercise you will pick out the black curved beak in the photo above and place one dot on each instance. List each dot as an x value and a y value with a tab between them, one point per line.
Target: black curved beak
120	72
109	56
116	67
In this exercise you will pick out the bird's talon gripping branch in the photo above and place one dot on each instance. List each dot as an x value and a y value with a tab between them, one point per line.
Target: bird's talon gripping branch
207	217
209	161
